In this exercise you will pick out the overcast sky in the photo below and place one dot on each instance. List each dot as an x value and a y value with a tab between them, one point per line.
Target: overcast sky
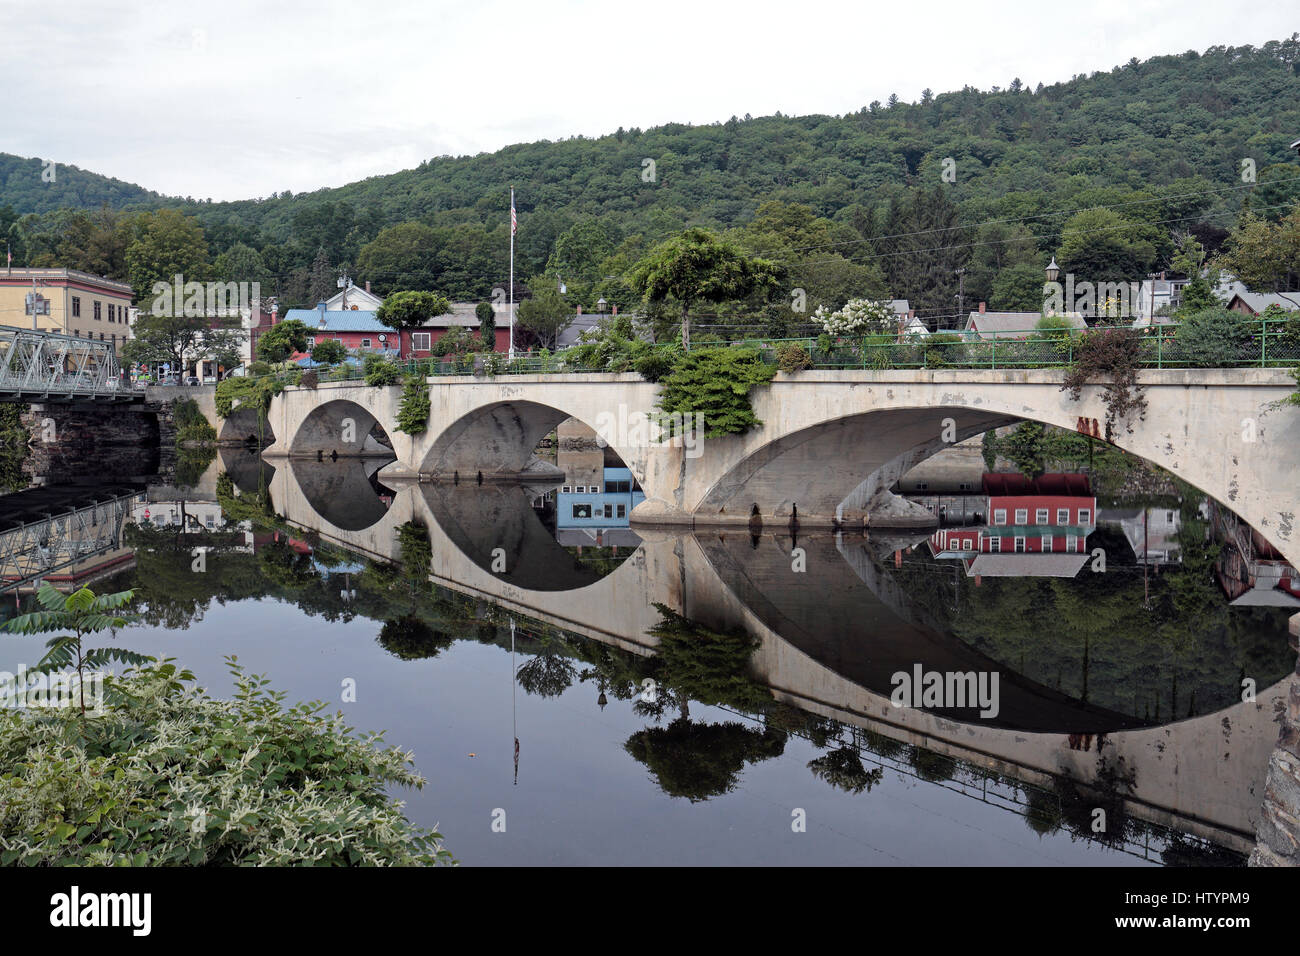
233	99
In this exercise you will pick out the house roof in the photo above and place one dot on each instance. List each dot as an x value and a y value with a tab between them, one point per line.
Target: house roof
356	296
351	320
1257	302
1027	565
984	323
1012	483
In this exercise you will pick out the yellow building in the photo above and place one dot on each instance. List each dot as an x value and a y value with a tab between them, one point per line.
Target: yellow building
70	302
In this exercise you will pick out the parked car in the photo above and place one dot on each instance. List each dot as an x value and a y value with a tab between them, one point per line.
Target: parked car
192	381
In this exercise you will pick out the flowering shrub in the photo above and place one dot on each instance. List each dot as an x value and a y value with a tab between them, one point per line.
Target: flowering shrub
857	316
170	776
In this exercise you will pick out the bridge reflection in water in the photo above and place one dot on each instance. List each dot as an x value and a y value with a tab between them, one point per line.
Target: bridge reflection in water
830	638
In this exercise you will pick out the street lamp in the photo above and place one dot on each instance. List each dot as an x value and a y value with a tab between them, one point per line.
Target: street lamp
1053	270
600	305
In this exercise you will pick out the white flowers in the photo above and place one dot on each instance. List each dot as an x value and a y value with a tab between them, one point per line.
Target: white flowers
857	316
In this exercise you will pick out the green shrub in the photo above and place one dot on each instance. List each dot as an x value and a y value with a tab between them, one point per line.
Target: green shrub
254	392
413	412
1213	338
259	368
654	362
1110	357
191	427
167	775
792	357
329	352
715	382
379	371
943	348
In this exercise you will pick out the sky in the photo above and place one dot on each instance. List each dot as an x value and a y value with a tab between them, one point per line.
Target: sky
241	98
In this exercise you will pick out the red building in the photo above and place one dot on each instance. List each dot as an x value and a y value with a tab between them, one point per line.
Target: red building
359	330
1048	515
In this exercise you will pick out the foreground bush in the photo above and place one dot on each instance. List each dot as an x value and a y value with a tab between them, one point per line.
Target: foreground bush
168	775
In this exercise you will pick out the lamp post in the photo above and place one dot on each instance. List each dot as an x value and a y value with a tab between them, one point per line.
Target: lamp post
1053	270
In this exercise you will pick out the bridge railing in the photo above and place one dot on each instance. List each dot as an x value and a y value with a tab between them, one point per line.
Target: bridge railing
46	364
1255	342
1259	343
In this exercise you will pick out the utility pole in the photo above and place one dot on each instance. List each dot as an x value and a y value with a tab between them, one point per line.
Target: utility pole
961	295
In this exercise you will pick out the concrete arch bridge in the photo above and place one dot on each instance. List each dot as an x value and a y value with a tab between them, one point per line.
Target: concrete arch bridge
831	445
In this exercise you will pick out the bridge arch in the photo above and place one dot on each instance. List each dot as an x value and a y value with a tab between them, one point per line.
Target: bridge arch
845	464
339	428
498	440
245	424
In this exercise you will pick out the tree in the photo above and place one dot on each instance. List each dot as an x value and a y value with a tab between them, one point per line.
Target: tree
280	341
82	613
329	352
180	339
1100	245
243	263
1265	256
1018	288
322	282
545	314
411	310
698	266
487	322
404	256
168	243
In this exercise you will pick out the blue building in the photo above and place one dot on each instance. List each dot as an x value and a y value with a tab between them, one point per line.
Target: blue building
605	506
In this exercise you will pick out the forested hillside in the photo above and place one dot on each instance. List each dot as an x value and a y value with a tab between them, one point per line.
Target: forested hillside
855	204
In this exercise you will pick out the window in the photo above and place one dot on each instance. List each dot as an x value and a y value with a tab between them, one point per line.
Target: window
1085	516
1062	515
622	511
1000	516
1071	544
609	511
580	489
1020	545
968	544
965	486
421	341
1046	545
311	342
1022	516
365	343
76	306
98	312
1040	516
1169	517
582	511
618	487
566	489
995	545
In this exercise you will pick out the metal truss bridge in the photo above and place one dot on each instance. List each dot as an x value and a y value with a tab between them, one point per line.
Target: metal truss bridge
44	530
48	367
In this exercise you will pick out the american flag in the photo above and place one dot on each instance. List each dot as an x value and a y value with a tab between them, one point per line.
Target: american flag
514	220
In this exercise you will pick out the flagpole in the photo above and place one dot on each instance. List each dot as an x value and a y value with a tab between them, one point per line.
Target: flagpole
512	273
